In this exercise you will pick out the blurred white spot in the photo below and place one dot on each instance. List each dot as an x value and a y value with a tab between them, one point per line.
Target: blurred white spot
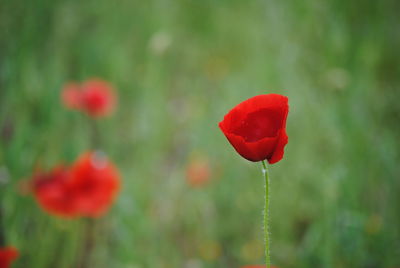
99	160
159	43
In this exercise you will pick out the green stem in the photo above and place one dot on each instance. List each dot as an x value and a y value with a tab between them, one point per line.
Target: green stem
95	140
86	251
266	214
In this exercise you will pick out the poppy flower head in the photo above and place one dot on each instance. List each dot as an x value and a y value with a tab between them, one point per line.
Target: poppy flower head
256	128
7	256
53	192
95	181
98	98
94	97
198	172
87	188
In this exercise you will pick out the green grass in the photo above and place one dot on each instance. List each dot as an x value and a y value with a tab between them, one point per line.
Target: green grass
179	66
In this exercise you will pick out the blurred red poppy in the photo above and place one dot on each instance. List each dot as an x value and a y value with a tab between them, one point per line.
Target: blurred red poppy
198	172
98	98
7	256
256	128
87	188
95	181
54	193
95	97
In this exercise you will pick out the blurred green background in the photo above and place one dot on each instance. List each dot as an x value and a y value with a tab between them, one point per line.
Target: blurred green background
179	66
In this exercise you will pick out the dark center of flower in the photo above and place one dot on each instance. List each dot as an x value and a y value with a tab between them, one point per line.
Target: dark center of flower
259	124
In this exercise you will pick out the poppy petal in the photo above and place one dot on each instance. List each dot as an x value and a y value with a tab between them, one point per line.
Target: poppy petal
256	127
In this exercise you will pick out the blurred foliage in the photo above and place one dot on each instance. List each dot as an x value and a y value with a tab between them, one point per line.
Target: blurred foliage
179	66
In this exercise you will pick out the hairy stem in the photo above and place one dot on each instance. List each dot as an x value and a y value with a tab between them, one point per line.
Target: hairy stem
266	214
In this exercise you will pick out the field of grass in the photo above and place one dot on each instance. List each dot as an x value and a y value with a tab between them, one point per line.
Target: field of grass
178	67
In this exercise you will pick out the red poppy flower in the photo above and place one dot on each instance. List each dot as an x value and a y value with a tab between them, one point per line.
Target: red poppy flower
95	181
98	98
198	172
256	128
7	256
87	188
94	97
54	193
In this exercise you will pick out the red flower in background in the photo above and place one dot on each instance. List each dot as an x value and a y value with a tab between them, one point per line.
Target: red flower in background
256	128
95	181
87	188
198	172
54	193
7	256
98	98
95	97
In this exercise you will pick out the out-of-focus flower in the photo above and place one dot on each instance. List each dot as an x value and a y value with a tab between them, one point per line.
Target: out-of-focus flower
54	193
198	172
98	98
256	128
7	256
87	188
95	97
95	181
